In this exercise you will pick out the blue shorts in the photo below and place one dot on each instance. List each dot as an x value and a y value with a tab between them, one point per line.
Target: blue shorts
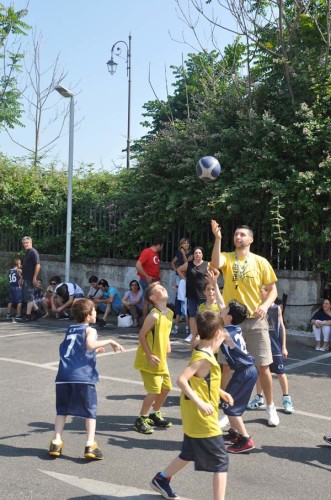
78	400
208	454
15	295
193	305
240	387
277	365
178	307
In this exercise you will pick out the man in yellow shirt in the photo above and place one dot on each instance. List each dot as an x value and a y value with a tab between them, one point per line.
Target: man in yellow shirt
244	275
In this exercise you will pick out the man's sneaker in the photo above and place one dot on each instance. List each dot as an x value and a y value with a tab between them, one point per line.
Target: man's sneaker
27	318
242	445
159	421
8	316
327	439
287	404
55	449
232	436
38	314
143	425
273	419
189	338
162	486
93	452
257	403
174	331
18	316
102	323
223	421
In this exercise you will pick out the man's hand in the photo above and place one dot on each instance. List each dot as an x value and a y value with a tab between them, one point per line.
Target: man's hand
216	228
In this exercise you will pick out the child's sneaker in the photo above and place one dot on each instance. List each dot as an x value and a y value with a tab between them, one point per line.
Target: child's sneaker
231	436
93	452
174	330
143	425
158	420
162	486
242	445
287	405
8	316
257	403
327	439
55	449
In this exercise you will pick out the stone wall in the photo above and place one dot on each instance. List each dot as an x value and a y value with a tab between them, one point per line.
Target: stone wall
303	288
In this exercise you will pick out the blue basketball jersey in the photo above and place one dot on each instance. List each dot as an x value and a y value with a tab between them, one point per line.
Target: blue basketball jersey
275	331
77	364
237	358
14	277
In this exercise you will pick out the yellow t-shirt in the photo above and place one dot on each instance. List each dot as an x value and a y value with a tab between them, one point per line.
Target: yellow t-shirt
213	307
245	284
157	340
195	423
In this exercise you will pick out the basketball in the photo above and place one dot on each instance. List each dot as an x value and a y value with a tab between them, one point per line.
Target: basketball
208	168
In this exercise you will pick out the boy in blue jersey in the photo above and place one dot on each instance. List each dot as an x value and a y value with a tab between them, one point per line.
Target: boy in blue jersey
243	379
15	289
277	333
77	376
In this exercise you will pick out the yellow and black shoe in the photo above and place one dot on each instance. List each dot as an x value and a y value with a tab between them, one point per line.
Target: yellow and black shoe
55	449
93	452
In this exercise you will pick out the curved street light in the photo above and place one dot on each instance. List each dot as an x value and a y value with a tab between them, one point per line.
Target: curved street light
112	66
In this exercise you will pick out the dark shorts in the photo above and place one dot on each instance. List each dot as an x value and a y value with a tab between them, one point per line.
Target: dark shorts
277	365
78	400
28	291
192	306
240	387
15	295
208	454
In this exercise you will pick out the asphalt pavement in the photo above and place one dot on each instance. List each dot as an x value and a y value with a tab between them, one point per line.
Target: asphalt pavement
290	461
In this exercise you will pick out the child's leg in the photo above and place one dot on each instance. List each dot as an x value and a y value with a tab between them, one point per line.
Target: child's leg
282	377
237	424
60	420
258	387
219	485
175	466
147	404
160	399
90	425
19	308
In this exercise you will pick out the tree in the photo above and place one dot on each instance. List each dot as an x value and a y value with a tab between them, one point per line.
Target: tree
12	28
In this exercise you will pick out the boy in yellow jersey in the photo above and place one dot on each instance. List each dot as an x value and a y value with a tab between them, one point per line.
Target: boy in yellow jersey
151	359
200	384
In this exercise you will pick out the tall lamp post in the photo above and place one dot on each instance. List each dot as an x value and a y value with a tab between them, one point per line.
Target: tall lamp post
112	66
67	94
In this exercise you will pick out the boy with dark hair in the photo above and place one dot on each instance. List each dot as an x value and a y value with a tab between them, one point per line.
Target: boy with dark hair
15	289
151	359
200	384
77	375
243	379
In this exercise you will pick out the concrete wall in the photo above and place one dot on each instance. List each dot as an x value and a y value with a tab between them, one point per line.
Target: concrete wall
302	287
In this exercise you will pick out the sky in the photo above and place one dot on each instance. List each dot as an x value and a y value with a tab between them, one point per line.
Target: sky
82	33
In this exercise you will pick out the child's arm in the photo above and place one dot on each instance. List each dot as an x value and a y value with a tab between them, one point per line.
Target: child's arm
227	397
282	326
92	344
147	326
212	276
182	382
169	348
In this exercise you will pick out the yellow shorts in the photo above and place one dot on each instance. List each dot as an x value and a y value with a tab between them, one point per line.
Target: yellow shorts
155	383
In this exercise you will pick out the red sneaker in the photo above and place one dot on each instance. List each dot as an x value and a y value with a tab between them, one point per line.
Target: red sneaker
242	445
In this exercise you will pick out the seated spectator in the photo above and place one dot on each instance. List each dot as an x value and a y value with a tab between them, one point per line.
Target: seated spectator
46	303
111	298
95	293
63	298
133	301
38	293
321	322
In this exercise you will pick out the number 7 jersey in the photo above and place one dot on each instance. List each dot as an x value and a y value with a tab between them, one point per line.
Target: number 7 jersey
77	364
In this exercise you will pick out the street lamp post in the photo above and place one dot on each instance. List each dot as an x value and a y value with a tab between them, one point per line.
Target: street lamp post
67	94
112	65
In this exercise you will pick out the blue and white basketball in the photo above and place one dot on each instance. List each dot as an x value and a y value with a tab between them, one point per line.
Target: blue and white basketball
208	168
